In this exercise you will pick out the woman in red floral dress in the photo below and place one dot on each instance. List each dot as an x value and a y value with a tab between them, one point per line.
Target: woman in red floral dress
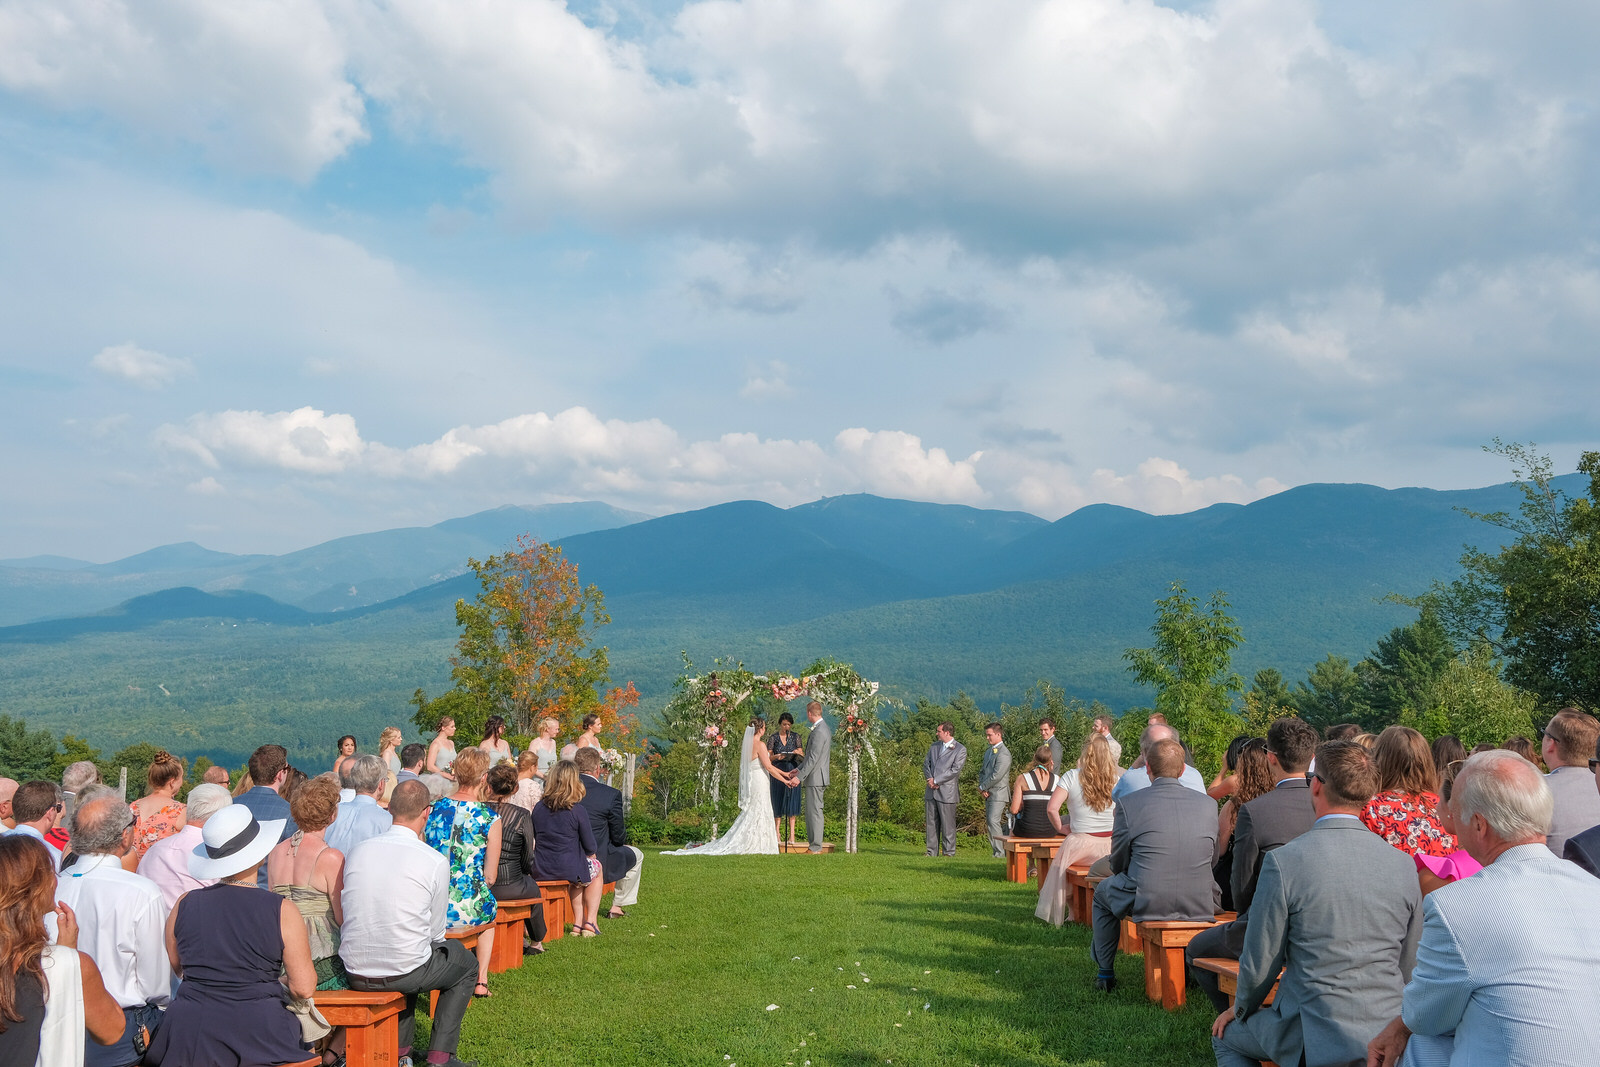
1406	810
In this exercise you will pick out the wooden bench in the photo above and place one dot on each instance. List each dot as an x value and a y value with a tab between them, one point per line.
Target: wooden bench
1164	942
1043	855
1080	892
509	916
371	1024
1019	851
557	909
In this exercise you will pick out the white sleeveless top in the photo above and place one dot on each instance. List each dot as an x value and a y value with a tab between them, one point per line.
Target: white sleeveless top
1083	818
61	1036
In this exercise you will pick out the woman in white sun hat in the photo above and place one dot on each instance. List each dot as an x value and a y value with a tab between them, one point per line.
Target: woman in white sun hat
230	942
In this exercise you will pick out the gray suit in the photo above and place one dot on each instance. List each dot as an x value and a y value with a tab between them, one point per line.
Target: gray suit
1162	841
1507	967
1267	822
994	778
1337	909
813	774
1056	757
1577	804
943	765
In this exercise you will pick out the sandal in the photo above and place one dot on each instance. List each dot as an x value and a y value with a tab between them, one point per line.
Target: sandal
588	930
483	986
616	913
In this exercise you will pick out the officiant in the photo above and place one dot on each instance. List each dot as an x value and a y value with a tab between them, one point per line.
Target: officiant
784	746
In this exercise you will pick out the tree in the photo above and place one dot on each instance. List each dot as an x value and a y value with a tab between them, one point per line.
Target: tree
1403	667
1331	694
1536	600
1190	667
1267	700
1473	701
522	651
26	755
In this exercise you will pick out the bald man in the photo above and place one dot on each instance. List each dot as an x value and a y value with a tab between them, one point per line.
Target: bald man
8	789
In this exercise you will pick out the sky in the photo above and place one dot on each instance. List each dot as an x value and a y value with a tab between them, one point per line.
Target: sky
276	271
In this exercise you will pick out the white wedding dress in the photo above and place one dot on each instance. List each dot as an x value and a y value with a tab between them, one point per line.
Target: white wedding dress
753	833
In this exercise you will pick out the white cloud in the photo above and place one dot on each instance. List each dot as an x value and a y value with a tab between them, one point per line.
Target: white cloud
304	440
146	369
258	83
770	382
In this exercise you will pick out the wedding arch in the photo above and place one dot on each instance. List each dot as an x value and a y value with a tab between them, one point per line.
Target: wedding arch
707	706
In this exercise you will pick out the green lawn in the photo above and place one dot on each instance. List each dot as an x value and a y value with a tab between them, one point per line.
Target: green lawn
902	959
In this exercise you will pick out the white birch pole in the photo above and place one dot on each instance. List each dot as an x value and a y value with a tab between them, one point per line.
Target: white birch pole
850	813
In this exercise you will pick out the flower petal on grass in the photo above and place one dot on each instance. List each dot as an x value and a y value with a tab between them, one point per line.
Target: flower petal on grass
772	1007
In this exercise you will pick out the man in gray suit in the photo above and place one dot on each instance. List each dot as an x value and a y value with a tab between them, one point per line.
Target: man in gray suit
1339	911
942	769
1162	840
1568	742
813	772
1510	958
994	781
1267	822
1047	731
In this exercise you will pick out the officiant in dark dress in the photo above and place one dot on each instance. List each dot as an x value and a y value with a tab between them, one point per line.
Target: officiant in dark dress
784	746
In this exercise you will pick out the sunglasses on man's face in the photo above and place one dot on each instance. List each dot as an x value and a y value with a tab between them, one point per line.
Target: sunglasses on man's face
1593	763
1313	774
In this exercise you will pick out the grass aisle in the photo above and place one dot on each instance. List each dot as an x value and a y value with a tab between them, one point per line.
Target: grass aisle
902	960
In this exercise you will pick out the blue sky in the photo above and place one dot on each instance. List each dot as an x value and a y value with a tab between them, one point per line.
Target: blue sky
275	271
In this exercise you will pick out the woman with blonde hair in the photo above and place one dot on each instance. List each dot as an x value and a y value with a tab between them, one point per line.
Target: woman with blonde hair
159	813
529	785
566	849
442	750
466	831
388	751
1086	791
1405	811
544	746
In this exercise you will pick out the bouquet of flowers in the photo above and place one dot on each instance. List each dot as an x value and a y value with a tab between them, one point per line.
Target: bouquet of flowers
713	737
786	687
852	722
612	759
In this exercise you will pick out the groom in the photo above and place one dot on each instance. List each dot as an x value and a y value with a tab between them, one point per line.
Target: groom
813	772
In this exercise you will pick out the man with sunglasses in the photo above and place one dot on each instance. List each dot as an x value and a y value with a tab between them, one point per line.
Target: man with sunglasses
1568	742
1267	822
1584	849
37	806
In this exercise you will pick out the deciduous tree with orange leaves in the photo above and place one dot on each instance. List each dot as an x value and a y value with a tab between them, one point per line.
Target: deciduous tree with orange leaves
524	652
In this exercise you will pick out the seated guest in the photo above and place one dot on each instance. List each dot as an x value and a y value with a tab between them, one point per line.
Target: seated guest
1405	812
1522	747
360	817
268	775
1495	981
411	758
1162	838
1339	913
8	789
396	904
1345	731
1267	822
620	862
1584	849
230	941
49	993
1227	780
1448	753
1086	791
1252	777
75	779
566	851
121	919
166	863
307	872
466	831
514	878
1369	742
1135	778
293	779
1030	797
37	806
529	785
1435	872
1568	742
215	776
158	813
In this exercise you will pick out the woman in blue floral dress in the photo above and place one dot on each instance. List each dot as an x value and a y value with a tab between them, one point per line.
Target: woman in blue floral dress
467	832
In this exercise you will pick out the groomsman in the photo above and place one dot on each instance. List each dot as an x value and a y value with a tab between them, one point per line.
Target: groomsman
942	769
993	778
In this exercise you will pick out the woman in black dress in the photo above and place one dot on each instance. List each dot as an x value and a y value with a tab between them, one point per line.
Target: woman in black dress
786	752
515	880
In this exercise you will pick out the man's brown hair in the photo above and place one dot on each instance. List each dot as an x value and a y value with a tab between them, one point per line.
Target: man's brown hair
1165	759
589	761
1294	742
1349	776
267	762
1574	733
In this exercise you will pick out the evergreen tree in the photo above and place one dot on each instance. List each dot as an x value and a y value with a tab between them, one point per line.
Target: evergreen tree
1404	667
1190	667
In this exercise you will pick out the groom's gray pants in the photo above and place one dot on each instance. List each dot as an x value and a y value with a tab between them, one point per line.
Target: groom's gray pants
941	825
813	807
996	808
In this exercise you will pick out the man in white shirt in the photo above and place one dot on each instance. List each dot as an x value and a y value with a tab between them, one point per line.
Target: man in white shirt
1135	777
360	818
122	921
396	891
37	806
166	863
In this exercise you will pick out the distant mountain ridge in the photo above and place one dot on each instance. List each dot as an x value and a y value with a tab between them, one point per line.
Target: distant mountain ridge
927	598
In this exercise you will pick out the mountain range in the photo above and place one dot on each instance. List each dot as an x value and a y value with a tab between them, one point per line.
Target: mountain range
209	652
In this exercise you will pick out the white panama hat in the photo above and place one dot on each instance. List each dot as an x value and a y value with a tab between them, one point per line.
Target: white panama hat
233	842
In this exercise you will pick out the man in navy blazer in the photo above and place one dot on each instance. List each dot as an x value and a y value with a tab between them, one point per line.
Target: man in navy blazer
1584	849
620	862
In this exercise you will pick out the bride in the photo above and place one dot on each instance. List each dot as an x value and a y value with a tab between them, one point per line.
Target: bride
753	832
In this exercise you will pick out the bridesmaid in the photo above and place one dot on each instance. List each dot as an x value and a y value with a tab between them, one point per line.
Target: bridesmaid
442	750
494	741
784	745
